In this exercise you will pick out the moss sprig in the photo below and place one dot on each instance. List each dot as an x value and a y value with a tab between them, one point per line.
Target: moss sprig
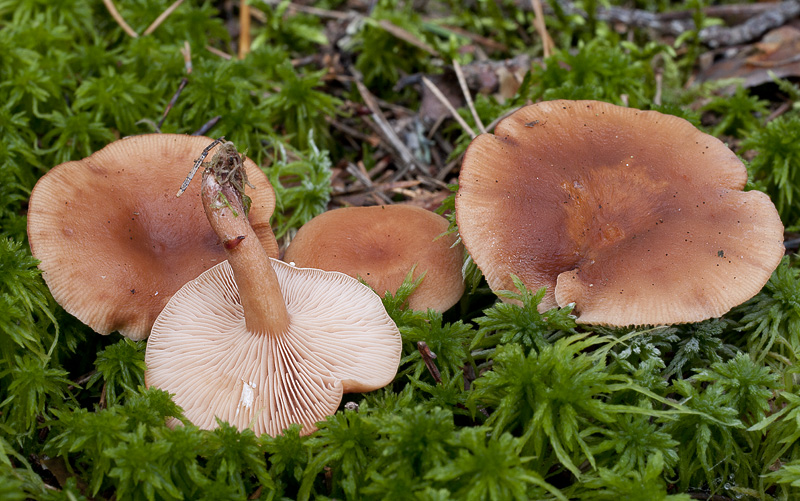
776	162
551	398
519	321
771	319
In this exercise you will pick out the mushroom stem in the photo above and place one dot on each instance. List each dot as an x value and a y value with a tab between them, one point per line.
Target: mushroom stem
259	291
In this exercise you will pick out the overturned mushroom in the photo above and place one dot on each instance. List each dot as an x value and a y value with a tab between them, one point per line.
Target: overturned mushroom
380	245
635	216
261	344
113	240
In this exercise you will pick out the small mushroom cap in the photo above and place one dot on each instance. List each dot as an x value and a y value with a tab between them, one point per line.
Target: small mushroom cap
113	239
635	216
380	244
340	339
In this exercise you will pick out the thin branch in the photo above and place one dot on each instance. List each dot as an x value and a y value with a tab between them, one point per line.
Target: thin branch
483	76
172	102
112	9
752	29
160	19
244	28
186	52
730	13
187	61
428	357
486	42
103	392
708	497
446	170
498	119
468	96
217	52
446	102
780	110
380	187
207	126
406	36
82	380
306	9
325	13
350	131
659	87
407	158
538	22
713	36
792	245
197	164
361	174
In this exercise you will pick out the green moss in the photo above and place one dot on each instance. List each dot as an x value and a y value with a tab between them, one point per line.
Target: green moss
777	164
528	404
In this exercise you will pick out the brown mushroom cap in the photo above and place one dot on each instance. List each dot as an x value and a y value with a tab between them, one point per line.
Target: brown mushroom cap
380	244
635	216
113	240
340	339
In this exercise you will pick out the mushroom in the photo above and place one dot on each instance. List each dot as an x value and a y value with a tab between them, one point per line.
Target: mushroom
113	241
262	344
634	216
380	245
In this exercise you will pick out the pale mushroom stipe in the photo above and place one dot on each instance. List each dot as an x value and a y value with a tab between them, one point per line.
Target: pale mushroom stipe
262	344
113	240
381	245
634	216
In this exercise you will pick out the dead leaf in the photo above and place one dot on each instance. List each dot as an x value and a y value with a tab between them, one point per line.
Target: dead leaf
777	52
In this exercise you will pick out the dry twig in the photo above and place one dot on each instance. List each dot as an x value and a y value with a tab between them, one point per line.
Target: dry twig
468	96
244	28
481	40
112	9
713	36
498	119
407	159
217	52
187	61
446	102
361	174
428	357
753	28
538	13
164	15
306	9
207	126
398	32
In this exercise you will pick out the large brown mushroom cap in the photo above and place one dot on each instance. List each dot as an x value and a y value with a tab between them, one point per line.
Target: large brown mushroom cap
340	339
635	216
113	240
380	245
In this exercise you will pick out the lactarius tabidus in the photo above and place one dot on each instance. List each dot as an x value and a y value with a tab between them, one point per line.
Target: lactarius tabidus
262	344
634	216
381	245
113	240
